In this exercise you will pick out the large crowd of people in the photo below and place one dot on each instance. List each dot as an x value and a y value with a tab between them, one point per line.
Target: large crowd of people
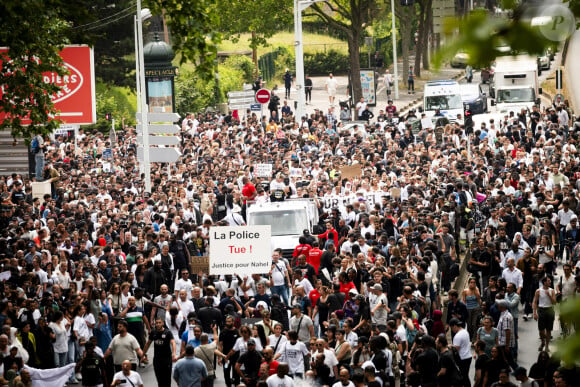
98	270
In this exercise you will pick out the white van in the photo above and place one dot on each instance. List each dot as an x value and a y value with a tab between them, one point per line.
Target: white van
443	95
288	219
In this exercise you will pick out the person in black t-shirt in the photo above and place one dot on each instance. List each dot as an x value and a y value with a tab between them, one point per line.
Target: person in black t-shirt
227	339
164	352
92	367
251	361
427	362
449	374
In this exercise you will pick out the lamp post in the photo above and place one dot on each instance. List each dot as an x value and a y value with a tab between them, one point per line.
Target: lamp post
299	6
142	14
394	38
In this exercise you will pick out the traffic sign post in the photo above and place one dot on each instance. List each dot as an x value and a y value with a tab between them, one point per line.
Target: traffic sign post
559	81
160	155
262	96
163	124
241	100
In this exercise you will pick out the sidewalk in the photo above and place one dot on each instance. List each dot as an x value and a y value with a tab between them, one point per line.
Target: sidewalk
405	100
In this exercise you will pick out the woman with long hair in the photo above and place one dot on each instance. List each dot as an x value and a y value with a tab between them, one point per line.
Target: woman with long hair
472	299
173	320
277	339
342	349
322	308
488	334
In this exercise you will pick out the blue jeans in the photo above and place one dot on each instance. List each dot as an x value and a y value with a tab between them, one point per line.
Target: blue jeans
39	166
71	356
281	291
60	359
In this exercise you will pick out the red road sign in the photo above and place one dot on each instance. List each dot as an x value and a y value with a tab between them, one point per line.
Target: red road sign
262	96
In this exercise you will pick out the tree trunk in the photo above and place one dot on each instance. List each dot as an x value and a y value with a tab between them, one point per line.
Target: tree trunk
428	28
420	39
405	24
255	55
353	53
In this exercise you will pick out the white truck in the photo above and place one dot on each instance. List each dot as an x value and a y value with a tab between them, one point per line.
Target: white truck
444	96
288	219
515	84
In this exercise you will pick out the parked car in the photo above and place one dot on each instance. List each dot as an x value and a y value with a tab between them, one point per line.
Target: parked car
544	61
460	60
473	95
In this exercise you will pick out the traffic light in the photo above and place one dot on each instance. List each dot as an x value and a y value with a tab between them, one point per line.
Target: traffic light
108	116
468	119
406	3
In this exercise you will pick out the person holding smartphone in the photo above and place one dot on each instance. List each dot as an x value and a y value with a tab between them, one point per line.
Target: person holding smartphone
127	377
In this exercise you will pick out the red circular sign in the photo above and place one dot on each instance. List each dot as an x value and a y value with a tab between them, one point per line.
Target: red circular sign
262	96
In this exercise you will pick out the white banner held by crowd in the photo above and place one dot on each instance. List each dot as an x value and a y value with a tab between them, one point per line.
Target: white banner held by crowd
341	201
240	250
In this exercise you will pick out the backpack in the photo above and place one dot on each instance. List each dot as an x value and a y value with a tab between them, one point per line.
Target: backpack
34	145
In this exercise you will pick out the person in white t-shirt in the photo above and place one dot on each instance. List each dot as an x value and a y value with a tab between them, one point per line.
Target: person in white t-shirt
184	283
280	378
293	353
344	377
127	377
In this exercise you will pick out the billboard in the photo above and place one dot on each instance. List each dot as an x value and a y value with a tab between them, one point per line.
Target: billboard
368	83
76	99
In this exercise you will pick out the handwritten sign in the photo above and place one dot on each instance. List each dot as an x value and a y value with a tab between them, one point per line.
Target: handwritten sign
263	170
200	264
240	250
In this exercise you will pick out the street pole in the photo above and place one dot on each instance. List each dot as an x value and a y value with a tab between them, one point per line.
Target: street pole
299	6
142	100
300	107
394	37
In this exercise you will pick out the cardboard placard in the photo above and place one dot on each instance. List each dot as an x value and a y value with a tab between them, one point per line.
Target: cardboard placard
350	171
200	264
395	193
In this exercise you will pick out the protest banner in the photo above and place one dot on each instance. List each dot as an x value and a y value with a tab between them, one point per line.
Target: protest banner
240	250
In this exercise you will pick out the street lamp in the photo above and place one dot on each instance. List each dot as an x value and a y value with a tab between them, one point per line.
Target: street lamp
394	37
299	6
142	14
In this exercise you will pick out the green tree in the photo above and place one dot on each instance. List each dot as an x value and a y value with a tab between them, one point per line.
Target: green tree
34	39
36	30
262	18
351	17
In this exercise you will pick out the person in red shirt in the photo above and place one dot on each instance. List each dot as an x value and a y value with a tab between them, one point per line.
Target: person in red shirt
269	361
248	191
346	285
315	293
330	229
314	256
302	248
